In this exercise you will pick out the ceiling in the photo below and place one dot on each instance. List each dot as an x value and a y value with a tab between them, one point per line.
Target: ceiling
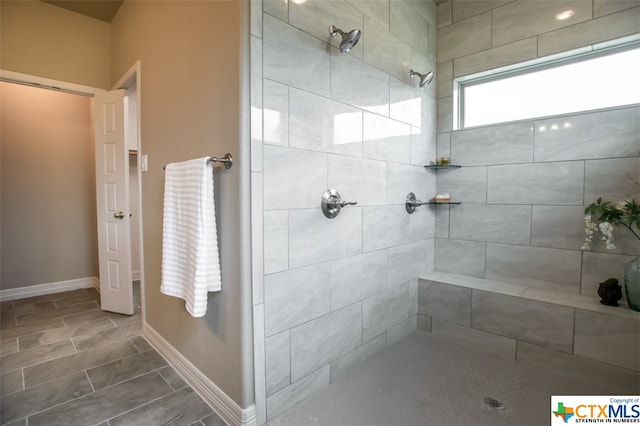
103	10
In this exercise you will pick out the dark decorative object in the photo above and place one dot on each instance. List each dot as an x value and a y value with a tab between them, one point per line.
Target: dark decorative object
610	292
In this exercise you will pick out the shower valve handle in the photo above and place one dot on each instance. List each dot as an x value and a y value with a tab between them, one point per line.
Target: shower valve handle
332	203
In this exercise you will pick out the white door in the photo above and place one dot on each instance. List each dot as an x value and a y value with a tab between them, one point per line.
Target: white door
112	199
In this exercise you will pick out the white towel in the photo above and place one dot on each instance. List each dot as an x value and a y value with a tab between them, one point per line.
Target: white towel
190	263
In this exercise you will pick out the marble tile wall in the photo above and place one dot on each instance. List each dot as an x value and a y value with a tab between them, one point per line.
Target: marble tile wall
332	292
524	185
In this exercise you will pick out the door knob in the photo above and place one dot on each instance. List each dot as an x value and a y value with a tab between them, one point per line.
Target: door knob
119	215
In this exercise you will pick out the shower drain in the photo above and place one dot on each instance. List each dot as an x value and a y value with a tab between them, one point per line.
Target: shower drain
494	403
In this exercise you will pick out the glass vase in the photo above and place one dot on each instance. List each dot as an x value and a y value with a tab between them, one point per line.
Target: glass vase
632	283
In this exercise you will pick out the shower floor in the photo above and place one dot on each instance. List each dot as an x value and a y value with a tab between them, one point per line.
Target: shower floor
426	380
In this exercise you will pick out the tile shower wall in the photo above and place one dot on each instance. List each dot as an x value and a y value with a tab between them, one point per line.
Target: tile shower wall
524	185
329	293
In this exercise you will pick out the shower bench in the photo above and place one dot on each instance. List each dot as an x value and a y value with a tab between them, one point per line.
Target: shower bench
572	334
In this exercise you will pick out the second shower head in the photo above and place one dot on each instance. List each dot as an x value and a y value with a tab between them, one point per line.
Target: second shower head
425	79
348	39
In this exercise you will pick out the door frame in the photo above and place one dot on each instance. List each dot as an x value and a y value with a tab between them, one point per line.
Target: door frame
130	79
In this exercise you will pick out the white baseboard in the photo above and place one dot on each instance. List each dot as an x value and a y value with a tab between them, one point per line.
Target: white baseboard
47	288
219	401
135	275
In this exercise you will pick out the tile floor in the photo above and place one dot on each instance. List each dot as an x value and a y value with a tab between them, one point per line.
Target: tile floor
63	361
427	380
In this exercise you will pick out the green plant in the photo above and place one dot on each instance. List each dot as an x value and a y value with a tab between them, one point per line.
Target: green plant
605	216
610	282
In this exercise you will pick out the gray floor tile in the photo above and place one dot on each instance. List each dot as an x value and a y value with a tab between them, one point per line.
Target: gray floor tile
77	362
10	330
124	369
87	296
6	305
36	356
29	308
21	422
64	333
172	377
213	420
8	346
57	313
110	402
178	408
31	400
73	319
141	343
51	297
115	334
11	382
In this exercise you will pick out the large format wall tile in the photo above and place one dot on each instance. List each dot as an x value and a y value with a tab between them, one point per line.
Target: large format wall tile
423	150
276	241
386	139
468	184
305	293
598	30
356	278
534	266
406	102
408	261
314	17
614	180
412	28
376	9
460	257
325	339
383	310
583	136
321	124
294	57
558	227
293	178
359	179
446	302
422	224
522	19
497	57
286	398
466	9
385	50
275	113
504	144
465	37
358	355
384	226
605	7
539	323
404	179
544	183
476	339
359	84
313	238
608	339
494	223
277	8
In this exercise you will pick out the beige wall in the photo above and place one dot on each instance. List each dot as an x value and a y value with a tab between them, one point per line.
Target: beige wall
48	187
190	55
47	41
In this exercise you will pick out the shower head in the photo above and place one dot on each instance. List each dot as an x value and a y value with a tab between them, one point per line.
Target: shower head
348	39
425	79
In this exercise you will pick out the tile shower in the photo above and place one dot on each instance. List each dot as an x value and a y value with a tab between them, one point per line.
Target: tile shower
328	293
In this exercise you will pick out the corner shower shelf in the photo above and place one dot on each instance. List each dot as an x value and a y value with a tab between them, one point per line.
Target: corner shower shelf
443	202
441	166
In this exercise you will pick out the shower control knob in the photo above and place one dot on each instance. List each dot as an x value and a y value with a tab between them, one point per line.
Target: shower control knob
332	203
412	203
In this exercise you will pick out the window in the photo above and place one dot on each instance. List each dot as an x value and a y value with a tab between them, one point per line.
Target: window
598	79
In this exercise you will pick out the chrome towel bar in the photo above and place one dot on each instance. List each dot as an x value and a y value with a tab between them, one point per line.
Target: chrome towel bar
227	160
